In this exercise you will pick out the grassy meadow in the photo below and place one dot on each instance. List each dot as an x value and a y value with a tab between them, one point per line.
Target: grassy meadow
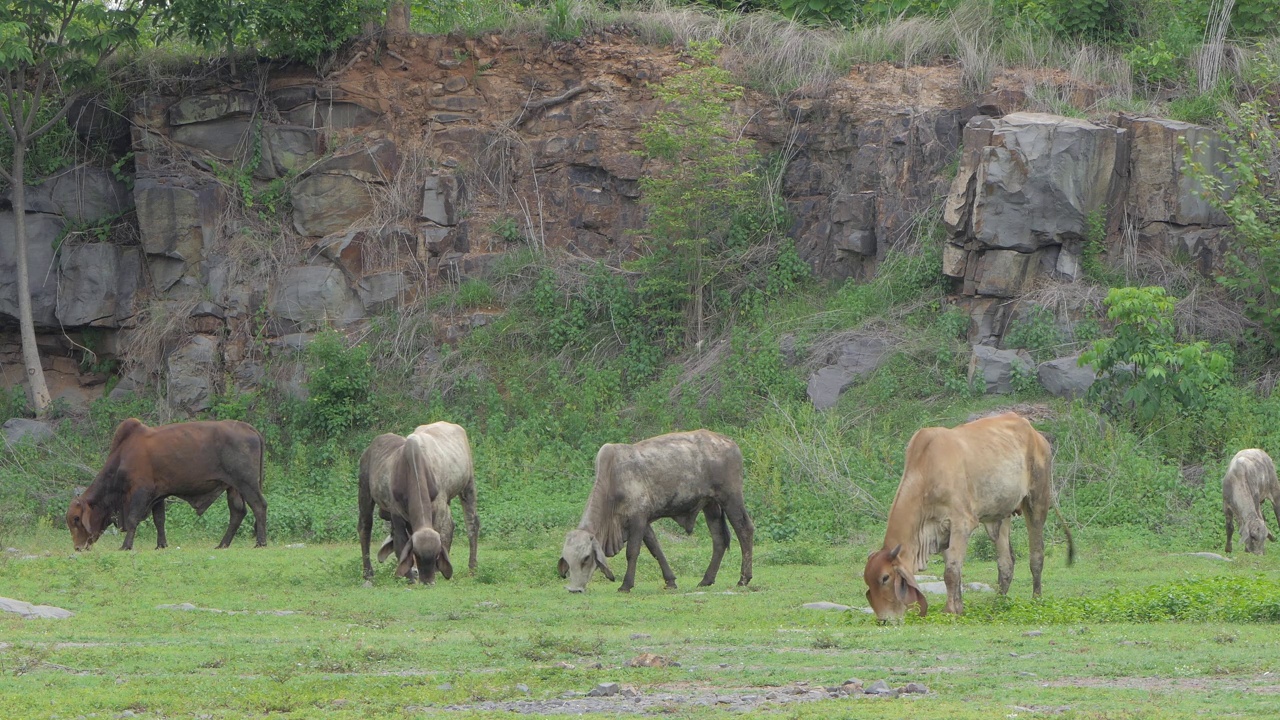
395	650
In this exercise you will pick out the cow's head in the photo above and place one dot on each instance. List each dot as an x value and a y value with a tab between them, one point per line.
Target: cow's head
891	586
579	559
85	524
1256	536
425	549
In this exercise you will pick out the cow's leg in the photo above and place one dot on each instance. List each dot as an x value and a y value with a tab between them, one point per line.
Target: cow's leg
1036	511
468	497
1230	528
719	541
399	538
635	539
999	533
651	542
236	511
736	511
252	494
364	525
157	516
442	520
953	555
136	508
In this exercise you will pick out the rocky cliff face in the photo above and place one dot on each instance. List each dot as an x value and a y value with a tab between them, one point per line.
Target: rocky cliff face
270	208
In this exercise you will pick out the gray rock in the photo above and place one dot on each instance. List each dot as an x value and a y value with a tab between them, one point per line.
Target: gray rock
382	291
1063	377
1035	182
1005	273
334	115
824	605
227	138
1160	190
310	297
915	688
445	686
42	232
1032	633
441	199
936	587
21	430
367	584
99	282
994	368
186	607
1209	556
296	545
522	688
203	108
604	690
86	194
193	373
177	219
30	612
854	360
287	149
879	687
326	203
640	636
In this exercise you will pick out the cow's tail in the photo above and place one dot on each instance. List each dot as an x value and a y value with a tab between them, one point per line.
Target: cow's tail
262	457
1071	543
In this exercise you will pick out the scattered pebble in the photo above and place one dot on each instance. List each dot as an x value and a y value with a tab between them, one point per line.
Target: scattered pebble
296	545
651	660
522	688
879	687
1032	633
446	686
367	584
1208	556
640	636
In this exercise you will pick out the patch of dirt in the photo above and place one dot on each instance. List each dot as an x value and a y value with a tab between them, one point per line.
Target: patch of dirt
1263	685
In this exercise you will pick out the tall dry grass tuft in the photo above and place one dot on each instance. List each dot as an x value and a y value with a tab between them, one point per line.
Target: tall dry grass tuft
976	34
1209	59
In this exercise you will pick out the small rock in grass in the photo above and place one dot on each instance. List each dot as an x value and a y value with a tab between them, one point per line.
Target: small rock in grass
1209	556
564	665
640	636
879	687
604	690
649	660
367	584
446	686
824	605
915	688
1032	633
296	545
522	688
179	606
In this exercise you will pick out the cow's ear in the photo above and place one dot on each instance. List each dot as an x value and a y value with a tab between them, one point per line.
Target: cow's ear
893	554
563	567
600	563
385	551
86	518
443	565
908	592
406	560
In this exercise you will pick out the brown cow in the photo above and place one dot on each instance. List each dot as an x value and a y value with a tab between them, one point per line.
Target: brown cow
983	472
1250	480
195	462
395	475
676	475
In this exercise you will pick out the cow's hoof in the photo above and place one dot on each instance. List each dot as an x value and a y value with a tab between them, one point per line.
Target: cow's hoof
671	585
261	544
624	589
744	583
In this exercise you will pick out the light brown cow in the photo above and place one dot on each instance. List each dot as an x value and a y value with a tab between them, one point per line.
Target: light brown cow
676	475
983	472
1250	480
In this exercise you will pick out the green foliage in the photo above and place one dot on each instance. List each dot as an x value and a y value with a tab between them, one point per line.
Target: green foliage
508	228
339	382
1095	244
1096	20
1226	599
817	11
562	24
1036	331
471	17
1143	369
474	293
1246	189
1155	64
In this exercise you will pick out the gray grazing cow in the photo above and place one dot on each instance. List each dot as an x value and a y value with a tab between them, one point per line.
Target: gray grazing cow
677	476
396	476
449	456
1250	479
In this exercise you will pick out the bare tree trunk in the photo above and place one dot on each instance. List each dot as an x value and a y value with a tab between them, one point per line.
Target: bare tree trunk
397	17
37	389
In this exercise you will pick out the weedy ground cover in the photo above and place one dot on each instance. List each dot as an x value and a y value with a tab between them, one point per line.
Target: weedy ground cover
394	650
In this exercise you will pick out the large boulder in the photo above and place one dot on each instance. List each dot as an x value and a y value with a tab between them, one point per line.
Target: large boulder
441	199
82	194
43	231
851	362
287	149
1160	190
1064	377
1035	183
98	284
178	218
21	430
336	194
994	368
194	369
309	297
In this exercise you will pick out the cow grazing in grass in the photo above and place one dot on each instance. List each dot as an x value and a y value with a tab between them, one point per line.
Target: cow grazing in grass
395	474
983	472
1250	479
449	455
195	461
677	476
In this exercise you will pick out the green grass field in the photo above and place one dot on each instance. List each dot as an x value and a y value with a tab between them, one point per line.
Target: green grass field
399	651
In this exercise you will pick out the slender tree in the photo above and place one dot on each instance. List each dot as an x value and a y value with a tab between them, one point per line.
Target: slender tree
50	50
397	16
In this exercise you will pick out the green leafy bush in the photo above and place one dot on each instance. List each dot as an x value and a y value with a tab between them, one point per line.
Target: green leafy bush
1142	368
339	386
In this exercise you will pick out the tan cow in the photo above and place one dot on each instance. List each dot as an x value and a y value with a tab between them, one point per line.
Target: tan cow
448	452
395	478
1250	480
676	475
983	472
